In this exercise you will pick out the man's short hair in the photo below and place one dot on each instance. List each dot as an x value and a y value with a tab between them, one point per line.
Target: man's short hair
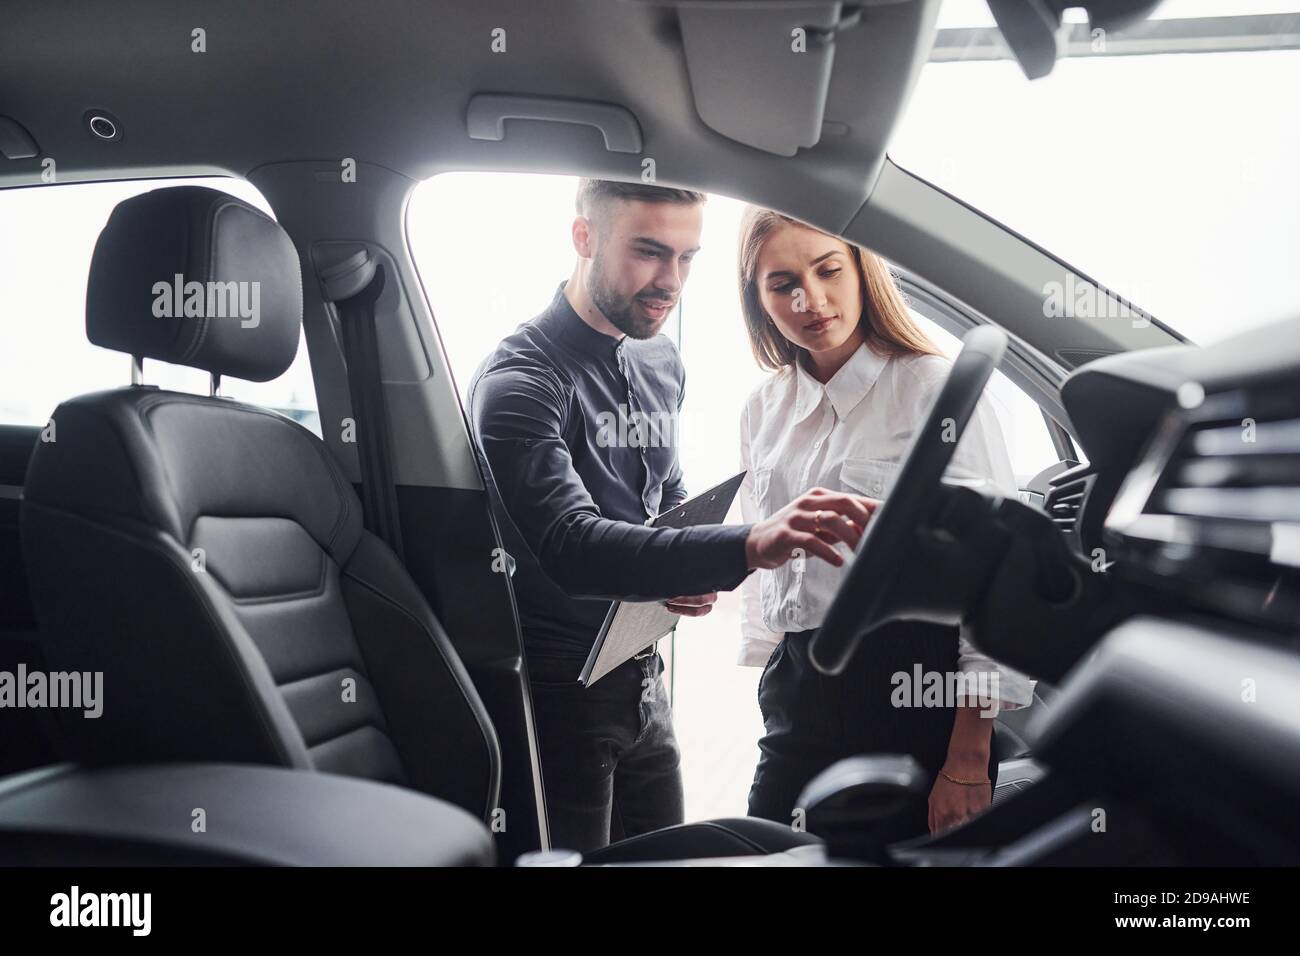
596	195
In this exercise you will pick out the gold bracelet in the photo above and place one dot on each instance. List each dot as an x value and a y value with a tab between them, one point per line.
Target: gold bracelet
965	783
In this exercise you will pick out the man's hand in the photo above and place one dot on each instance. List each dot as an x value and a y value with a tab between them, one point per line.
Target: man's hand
811	524
696	605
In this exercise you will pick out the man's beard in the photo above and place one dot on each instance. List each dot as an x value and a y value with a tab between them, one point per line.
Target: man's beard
621	310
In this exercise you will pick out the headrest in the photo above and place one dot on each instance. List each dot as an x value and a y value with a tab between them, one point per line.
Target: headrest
196	277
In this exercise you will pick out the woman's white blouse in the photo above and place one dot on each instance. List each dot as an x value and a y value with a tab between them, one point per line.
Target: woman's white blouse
849	435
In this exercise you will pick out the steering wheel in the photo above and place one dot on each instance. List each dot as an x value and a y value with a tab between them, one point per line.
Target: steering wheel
887	546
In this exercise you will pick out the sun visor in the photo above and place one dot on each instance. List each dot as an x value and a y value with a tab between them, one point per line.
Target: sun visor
759	72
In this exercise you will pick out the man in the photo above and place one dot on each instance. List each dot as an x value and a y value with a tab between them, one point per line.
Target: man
572	496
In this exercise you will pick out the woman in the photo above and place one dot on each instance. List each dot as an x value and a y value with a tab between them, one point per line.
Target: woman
853	378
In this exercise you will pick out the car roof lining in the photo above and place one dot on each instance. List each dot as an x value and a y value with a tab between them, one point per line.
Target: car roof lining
388	85
271	88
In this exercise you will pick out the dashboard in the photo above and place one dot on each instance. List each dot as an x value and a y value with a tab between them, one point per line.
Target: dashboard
1193	481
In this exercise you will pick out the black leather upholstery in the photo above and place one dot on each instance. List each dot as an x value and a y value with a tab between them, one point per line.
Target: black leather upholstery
216	571
145	816
209	558
28	733
207	237
739	836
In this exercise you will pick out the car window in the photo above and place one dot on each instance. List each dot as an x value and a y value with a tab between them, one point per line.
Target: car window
45	252
1029	443
1158	160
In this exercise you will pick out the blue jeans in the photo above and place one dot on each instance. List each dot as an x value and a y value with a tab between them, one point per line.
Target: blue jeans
610	764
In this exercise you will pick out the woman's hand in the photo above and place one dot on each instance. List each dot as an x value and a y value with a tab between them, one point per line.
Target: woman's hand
951	804
811	524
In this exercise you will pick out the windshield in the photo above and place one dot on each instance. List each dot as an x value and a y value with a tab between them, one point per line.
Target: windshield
1162	161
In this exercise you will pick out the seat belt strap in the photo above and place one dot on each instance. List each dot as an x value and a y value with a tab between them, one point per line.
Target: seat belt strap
361	352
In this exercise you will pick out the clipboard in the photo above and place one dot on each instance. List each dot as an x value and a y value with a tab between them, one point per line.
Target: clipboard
632	626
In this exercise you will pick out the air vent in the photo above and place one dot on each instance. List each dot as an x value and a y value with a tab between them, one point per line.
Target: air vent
1241	471
1212	511
1066	493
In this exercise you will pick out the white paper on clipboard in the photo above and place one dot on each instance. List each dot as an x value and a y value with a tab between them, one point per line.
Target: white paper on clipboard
632	626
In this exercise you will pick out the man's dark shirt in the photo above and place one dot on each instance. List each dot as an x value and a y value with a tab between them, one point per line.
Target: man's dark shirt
572	487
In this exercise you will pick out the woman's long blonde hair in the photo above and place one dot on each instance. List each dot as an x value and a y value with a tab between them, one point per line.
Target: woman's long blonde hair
887	327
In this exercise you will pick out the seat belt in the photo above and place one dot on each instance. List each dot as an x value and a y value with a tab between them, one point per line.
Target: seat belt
354	286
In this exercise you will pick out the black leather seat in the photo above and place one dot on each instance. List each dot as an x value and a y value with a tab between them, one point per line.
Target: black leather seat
64	815
209	557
